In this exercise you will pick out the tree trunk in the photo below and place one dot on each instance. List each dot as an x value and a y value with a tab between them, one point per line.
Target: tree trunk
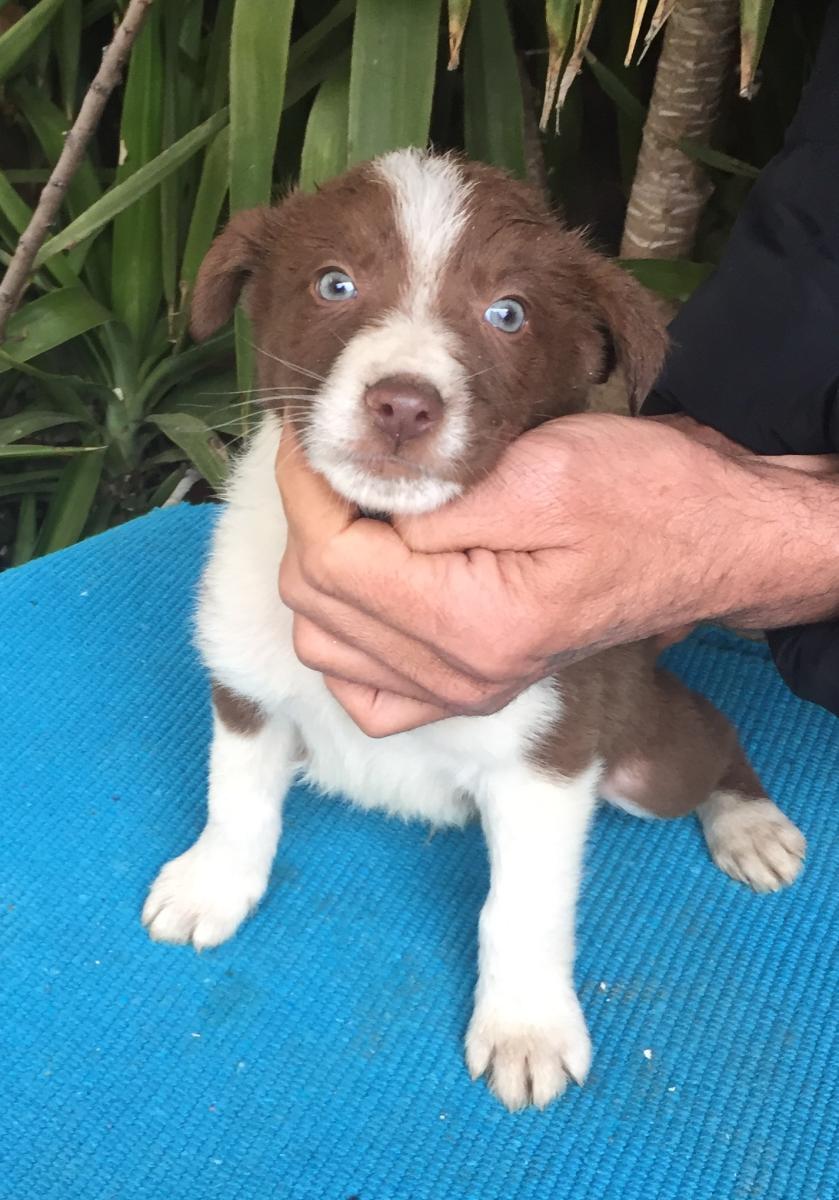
670	190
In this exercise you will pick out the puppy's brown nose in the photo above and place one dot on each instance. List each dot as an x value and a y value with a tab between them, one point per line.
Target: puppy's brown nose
404	407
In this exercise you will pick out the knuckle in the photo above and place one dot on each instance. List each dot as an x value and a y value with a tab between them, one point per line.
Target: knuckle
498	664
290	583
306	639
322	564
467	695
373	724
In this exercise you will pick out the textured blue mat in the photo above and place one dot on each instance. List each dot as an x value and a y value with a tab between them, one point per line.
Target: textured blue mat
318	1056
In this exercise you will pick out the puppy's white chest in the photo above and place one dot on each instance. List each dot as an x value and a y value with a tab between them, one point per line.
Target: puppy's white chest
431	773
245	636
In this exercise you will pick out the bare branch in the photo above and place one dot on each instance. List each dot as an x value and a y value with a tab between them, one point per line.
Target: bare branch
75	143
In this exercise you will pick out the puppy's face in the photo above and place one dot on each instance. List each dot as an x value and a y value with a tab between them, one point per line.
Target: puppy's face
418	313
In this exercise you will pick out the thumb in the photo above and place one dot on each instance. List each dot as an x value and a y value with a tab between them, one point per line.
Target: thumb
313	510
515	507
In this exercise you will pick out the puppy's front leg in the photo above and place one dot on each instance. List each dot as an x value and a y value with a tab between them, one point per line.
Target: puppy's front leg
527	1031
204	895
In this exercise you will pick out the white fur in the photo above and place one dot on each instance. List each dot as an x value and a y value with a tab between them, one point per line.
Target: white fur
430	198
400	344
527	1029
430	195
204	895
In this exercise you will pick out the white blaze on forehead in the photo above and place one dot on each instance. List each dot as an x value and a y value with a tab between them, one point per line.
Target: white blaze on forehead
431	200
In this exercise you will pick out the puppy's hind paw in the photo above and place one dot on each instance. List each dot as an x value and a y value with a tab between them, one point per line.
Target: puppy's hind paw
752	841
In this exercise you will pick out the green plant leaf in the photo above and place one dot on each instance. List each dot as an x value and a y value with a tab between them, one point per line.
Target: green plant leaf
332	59
716	159
165	489
493	113
394	61
754	21
63	390
49	126
201	444
18	213
12	429
632	108
71	502
616	90
325	145
458	16
17	41
121	195
34	450
559	20
258	61
674	279
170	215
68	52
179	367
320	53
209	199
95	10
311	41
217	68
49	321
216	400
136	268
26	533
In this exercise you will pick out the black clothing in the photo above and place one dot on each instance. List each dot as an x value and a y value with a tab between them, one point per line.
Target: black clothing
755	350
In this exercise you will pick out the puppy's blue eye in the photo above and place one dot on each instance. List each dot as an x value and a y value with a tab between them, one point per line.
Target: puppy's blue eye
336	285
506	315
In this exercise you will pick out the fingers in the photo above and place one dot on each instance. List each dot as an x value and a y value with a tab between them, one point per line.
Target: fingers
673	636
312	509
424	613
380	714
324	652
811	464
513	508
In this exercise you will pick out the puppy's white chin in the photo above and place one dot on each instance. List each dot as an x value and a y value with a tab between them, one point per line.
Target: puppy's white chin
406	497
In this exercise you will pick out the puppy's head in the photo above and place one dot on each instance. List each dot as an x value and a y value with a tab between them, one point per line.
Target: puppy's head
416	315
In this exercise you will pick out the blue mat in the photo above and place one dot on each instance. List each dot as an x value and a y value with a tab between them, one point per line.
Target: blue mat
318	1056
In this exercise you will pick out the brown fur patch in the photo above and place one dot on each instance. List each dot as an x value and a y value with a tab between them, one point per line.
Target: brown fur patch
239	714
277	256
665	748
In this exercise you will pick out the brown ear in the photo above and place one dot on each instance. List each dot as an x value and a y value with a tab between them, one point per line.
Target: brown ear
230	261
636	339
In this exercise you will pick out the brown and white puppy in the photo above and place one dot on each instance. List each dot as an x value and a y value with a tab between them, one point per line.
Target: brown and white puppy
412	318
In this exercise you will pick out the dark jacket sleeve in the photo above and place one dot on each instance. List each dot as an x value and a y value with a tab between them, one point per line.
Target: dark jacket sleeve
755	351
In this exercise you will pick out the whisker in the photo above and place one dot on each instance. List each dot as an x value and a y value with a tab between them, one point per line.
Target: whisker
483	371
300	387
285	363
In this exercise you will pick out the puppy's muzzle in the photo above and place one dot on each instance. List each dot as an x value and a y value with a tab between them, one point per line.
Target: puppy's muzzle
403	407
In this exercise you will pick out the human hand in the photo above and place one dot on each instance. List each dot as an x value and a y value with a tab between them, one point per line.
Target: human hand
592	530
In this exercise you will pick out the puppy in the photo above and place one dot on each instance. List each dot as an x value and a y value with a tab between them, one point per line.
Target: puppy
412	317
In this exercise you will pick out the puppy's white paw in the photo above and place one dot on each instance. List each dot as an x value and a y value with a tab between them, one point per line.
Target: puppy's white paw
202	897
528	1062
752	841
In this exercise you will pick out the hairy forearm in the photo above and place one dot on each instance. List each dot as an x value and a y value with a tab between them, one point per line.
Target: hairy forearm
782	565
